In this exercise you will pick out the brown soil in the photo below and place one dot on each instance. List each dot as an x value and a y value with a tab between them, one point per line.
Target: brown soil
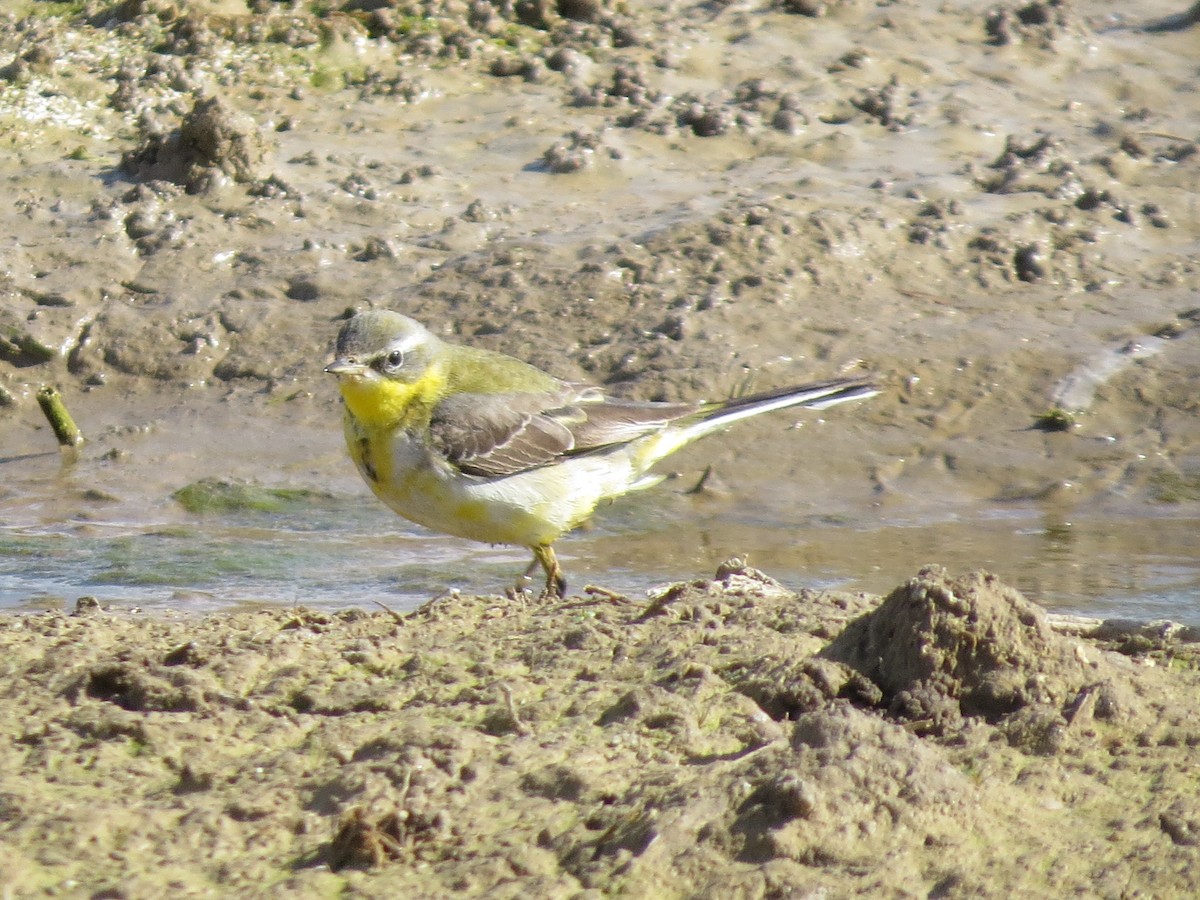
727	738
993	205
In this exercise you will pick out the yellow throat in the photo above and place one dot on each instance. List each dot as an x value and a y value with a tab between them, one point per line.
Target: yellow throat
379	403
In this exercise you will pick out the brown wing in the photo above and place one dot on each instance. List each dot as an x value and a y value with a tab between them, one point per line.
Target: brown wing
620	421
494	435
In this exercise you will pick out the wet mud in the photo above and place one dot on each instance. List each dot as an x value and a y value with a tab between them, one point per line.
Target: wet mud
994	206
978	203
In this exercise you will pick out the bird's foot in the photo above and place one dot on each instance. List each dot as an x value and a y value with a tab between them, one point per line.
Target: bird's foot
556	584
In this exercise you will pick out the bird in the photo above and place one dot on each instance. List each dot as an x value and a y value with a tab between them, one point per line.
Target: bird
481	445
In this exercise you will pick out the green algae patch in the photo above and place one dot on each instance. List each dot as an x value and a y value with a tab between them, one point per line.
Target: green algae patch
216	496
1056	419
1175	487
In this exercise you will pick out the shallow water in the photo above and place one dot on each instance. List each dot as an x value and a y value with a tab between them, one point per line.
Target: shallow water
107	525
344	551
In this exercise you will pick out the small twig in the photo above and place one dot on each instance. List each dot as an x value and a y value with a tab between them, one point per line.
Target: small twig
405	785
65	429
399	619
1166	136
699	486
510	706
604	593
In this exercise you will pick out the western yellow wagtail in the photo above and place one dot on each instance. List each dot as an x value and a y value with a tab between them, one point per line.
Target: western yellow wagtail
480	445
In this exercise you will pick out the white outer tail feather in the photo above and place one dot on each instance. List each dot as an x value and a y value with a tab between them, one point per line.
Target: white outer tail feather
821	397
812	396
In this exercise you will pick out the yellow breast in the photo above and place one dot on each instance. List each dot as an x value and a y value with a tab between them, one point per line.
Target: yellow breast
378	403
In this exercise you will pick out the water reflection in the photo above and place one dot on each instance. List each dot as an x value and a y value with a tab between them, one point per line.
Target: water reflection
331	552
1142	568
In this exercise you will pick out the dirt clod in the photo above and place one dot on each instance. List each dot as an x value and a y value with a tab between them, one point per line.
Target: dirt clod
940	649
212	144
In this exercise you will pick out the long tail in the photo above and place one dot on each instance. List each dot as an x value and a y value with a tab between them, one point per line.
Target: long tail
818	395
716	416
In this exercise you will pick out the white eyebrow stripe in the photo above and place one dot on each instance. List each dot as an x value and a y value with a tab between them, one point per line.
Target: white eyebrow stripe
405	344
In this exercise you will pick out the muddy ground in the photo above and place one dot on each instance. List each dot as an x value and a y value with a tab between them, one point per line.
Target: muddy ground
727	738
996	206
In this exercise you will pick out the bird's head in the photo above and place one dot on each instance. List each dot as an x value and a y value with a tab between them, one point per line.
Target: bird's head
383	360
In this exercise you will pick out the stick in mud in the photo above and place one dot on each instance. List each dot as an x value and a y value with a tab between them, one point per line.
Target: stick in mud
65	429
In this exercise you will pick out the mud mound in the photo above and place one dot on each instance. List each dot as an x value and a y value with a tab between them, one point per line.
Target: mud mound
941	649
213	144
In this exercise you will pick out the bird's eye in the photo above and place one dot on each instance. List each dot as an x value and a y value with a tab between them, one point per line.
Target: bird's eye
393	361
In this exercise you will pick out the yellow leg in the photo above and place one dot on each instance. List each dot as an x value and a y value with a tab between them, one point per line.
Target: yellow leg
556	585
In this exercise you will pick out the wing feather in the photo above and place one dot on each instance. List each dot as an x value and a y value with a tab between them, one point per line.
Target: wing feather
493	435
